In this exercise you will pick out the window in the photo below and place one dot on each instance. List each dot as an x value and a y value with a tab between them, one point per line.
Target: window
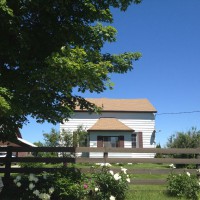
134	140
137	140
110	141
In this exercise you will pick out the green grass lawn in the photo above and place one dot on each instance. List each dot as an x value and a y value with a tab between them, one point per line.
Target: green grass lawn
149	192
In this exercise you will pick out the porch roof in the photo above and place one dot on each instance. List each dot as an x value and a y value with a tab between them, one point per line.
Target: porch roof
109	124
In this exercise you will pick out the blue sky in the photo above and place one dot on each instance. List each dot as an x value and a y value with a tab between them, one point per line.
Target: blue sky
167	33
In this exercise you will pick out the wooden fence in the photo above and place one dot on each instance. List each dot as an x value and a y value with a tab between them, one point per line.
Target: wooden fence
166	159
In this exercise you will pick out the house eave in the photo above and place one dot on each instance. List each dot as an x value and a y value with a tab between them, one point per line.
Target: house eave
110	130
119	111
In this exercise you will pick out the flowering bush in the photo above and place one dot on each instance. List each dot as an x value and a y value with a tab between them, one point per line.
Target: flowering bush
101	184
34	187
69	183
110	185
183	185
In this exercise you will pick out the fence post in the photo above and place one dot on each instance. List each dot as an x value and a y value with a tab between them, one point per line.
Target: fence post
75	139
105	154
7	166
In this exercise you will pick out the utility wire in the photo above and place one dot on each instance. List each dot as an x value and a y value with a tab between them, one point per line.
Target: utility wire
179	113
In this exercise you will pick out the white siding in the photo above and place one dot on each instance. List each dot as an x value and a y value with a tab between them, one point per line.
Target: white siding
139	122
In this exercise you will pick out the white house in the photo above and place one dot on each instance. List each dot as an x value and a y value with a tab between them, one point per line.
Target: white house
126	123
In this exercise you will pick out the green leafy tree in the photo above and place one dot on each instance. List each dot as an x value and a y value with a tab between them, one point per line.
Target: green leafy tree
158	155
38	144
39	154
66	138
47	50
52	139
81	136
55	139
189	139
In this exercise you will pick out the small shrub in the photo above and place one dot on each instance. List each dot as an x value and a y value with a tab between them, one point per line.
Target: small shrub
158	155
183	185
68	184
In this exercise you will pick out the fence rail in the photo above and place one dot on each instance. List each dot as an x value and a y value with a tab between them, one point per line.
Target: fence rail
167	159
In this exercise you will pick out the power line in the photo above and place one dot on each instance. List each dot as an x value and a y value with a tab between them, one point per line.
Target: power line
179	113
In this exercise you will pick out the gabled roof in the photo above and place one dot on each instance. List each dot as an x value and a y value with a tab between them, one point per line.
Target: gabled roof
109	124
26	142
17	141
122	105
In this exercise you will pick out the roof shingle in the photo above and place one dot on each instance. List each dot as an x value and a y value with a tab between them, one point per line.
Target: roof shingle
109	124
126	105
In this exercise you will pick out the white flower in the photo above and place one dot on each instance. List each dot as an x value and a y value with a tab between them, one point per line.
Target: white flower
188	173
123	170
18	184
18	178
112	197
62	48
35	179
96	189
31	177
44	196
172	166
128	180
117	176
31	186
97	163
198	170
41	195
112	173
51	190
105	164
36	192
44	176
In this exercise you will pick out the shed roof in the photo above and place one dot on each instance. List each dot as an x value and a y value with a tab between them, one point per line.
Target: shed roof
126	105
109	124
